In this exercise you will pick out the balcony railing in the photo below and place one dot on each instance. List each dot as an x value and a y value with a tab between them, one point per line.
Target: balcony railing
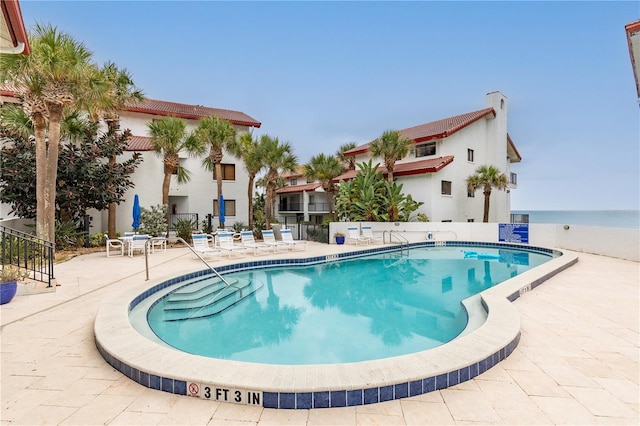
318	207
290	207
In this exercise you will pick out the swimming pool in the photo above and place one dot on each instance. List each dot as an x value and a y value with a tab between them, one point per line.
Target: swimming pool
371	307
157	366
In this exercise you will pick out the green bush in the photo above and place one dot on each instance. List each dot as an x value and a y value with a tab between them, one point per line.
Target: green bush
185	227
153	221
68	234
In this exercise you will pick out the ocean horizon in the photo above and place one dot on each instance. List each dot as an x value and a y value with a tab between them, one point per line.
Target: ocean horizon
603	218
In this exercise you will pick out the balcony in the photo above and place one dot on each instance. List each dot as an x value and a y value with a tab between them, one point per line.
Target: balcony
290	207
318	207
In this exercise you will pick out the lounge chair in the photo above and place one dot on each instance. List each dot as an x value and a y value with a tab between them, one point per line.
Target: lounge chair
225	242
138	243
270	239
159	243
287	237
114	244
201	245
249	242
368	233
354	235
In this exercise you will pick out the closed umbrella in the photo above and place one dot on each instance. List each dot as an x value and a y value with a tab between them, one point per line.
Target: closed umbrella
136	212
221	207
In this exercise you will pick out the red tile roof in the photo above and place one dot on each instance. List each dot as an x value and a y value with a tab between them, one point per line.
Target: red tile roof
139	143
299	171
435	129
299	188
172	109
193	112
431	165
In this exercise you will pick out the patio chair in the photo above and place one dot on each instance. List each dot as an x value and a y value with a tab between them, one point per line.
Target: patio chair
270	239
114	244
354	235
368	233
159	243
225	242
138	243
201	245
249	242
287	237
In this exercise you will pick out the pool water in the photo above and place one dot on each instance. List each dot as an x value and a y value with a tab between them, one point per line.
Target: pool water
372	307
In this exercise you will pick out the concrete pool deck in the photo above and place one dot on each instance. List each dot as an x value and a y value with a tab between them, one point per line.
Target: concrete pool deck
576	363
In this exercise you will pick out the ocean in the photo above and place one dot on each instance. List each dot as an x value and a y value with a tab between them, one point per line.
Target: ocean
605	218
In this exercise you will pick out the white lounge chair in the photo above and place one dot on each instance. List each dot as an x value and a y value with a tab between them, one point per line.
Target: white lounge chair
367	232
287	237
114	244
159	243
249	242
201	245
354	235
225	242
138	243
270	239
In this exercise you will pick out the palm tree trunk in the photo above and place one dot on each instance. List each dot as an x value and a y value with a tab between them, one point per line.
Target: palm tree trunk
40	125
218	168
111	216
55	117
166	184
327	196
487	195
250	195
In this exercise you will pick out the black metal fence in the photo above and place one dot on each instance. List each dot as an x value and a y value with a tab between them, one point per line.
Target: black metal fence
313	232
27	252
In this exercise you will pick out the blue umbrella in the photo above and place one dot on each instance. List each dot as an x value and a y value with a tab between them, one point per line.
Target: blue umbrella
136	213
221	202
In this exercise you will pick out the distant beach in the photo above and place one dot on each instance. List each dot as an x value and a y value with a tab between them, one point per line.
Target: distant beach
605	218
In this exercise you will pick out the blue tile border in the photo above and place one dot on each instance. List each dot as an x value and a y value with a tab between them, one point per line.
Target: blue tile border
339	397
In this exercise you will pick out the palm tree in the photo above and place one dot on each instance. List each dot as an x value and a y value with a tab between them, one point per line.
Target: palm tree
324	168
391	146
121	91
219	135
168	138
350	160
57	73
252	158
277	158
486	177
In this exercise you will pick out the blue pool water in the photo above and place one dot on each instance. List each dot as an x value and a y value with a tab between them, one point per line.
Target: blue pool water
367	308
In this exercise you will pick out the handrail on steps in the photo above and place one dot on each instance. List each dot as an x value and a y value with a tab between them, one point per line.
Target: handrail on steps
404	242
211	268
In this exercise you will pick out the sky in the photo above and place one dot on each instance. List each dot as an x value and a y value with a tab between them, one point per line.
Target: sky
321	74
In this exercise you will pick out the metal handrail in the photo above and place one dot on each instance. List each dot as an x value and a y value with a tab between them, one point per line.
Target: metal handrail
211	268
404	242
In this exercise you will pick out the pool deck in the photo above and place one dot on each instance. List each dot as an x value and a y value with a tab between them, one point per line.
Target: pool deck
577	361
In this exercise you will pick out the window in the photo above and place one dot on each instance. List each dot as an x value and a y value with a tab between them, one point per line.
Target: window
471	220
471	194
426	149
229	207
470	155
293	182
445	187
513	178
228	172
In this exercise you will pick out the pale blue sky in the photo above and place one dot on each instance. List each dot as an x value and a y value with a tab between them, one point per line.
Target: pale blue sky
319	74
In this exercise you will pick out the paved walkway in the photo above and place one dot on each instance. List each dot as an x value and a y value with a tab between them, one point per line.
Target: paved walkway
577	361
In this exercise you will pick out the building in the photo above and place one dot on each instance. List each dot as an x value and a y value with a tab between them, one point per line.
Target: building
194	200
445	153
198	197
13	35
633	40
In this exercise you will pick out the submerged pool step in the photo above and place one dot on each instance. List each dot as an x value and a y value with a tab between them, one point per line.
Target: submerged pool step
216	303
199	290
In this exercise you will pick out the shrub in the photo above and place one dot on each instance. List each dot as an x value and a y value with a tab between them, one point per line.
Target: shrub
185	227
153	221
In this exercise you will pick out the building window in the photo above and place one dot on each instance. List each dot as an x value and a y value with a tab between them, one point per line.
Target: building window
229	208
471	220
228	172
426	149
471	194
513	178
293	182
445	187
470	155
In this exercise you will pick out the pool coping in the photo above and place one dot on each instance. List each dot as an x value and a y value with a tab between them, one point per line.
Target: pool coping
320	386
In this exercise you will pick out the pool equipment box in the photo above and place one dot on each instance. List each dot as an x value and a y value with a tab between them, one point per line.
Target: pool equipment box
214	393
513	233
